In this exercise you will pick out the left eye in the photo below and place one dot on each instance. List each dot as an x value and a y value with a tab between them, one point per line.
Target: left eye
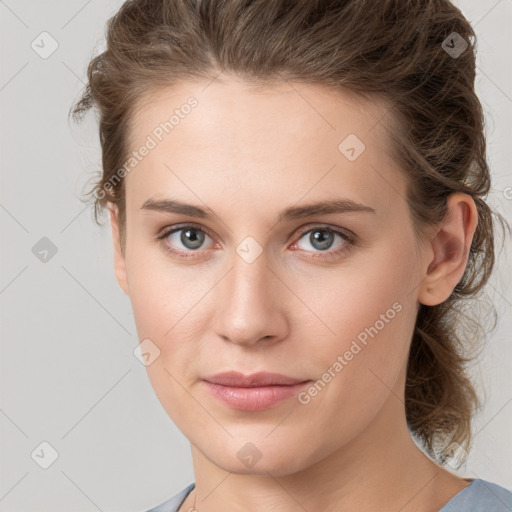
322	239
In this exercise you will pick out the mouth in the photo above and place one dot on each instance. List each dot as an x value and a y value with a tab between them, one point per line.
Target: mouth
254	392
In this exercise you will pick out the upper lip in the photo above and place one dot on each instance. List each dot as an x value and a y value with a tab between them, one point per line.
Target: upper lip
238	379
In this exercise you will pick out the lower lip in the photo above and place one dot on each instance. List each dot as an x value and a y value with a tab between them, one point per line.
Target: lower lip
253	399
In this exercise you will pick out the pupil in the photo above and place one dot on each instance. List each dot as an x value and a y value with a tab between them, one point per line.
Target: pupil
194	241
321	241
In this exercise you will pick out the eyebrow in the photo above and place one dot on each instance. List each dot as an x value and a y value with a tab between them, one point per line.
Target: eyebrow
340	205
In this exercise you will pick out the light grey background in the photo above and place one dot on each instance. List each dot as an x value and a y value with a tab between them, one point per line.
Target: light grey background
68	373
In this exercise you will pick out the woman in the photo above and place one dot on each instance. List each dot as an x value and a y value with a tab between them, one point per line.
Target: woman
308	372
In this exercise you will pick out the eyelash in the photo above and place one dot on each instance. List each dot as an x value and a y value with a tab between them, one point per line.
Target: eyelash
326	255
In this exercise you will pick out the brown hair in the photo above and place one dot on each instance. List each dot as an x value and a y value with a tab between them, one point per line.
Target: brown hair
396	50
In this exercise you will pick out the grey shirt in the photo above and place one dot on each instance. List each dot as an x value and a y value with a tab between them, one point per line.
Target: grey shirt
479	496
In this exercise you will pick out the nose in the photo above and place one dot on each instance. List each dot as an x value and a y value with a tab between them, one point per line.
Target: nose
251	306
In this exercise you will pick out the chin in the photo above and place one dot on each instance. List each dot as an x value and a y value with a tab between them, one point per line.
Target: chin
257	457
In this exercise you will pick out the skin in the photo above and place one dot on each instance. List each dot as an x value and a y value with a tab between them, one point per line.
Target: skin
246	155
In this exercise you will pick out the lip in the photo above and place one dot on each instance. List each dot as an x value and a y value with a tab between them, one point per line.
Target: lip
259	379
254	392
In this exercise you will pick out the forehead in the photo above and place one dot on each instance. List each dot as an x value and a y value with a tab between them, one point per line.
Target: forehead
235	107
228	134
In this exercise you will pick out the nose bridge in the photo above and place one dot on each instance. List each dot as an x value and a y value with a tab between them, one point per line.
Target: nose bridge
249	281
249	310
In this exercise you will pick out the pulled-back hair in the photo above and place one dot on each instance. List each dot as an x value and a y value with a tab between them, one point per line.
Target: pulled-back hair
411	54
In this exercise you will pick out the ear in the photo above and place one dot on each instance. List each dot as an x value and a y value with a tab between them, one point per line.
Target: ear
119	261
449	250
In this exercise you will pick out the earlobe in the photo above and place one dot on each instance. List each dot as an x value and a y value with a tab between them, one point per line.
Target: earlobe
450	247
119	260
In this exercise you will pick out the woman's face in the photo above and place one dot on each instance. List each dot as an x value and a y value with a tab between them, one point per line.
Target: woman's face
323	296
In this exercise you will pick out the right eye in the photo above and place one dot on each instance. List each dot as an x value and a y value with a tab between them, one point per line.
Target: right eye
183	240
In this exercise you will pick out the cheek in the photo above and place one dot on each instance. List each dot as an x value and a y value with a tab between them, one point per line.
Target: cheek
167	311
158	291
371	313
162	310
168	304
